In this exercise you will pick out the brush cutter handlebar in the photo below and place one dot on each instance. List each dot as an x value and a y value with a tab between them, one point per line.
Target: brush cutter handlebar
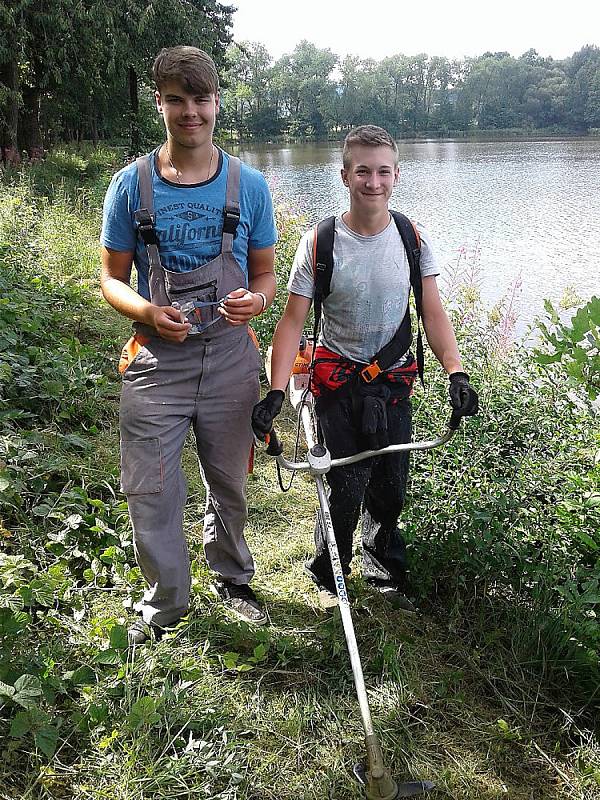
319	462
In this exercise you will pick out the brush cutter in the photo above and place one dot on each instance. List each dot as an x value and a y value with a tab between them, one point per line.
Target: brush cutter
373	775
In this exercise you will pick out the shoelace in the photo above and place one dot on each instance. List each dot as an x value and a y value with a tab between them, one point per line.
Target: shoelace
243	592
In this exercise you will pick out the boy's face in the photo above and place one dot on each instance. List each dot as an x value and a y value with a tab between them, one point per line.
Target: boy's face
189	118
370	177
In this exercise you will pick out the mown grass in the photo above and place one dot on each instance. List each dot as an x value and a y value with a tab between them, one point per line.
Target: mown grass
492	691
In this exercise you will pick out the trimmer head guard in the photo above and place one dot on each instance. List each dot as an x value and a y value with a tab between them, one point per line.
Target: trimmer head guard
386	788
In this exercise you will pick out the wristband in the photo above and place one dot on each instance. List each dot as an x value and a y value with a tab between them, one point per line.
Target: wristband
263	296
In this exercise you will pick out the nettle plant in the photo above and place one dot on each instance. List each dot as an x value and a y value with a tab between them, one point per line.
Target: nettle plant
63	529
575	346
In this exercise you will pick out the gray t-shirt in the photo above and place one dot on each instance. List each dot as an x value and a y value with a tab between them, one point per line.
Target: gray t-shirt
370	287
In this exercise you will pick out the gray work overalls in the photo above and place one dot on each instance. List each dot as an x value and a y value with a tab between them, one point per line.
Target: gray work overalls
209	381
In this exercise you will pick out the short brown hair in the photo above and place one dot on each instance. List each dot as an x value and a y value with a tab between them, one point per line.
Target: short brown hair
368	136
192	68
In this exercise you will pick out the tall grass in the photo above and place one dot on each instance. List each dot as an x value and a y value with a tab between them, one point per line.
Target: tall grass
491	691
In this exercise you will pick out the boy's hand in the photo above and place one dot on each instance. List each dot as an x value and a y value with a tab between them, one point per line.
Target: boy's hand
240	306
463	398
265	412
168	324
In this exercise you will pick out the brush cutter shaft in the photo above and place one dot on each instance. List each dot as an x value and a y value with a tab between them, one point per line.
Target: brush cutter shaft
340	586
380	785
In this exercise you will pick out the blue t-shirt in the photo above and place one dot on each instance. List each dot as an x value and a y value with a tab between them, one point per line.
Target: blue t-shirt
189	219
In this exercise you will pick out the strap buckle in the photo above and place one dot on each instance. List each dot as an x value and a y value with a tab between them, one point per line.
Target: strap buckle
231	220
146	228
370	372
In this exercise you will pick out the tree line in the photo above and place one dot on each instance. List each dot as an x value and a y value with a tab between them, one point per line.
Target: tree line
79	69
311	92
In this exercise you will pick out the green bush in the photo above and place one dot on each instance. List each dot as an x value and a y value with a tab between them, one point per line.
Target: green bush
575	346
62	526
509	511
290	228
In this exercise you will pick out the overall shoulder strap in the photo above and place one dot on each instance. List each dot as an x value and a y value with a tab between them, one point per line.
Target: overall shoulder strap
412	244
145	183
231	212
144	216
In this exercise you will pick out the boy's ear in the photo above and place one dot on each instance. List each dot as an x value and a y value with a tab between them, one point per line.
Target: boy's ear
217	103
344	175
158	101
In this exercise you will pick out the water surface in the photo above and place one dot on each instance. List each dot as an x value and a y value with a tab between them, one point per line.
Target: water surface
523	216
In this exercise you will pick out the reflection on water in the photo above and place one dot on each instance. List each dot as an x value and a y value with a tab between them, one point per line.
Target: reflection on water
520	211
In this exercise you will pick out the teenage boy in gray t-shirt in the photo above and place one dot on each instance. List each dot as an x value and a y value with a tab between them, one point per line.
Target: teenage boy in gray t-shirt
368	300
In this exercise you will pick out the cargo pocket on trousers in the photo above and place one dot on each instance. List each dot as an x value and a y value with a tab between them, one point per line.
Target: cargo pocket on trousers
141	466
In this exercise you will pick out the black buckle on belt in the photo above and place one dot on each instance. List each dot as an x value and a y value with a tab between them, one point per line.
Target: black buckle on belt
231	220
145	223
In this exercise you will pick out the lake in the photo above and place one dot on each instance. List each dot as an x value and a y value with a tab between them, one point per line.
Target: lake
522	216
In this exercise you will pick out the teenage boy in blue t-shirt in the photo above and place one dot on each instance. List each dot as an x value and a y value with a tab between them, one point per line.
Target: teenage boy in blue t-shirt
191	360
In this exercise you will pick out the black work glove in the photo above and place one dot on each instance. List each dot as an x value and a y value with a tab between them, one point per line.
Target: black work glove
463	398
265	412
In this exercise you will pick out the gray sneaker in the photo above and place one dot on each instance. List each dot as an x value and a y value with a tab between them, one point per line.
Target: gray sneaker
327	596
139	632
241	601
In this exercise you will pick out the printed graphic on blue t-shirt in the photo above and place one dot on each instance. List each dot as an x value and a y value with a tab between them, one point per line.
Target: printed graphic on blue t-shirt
182	227
189	219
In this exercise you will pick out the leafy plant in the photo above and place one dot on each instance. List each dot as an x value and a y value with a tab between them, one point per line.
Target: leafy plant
575	346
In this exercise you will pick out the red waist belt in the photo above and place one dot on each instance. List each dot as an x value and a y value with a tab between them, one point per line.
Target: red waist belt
332	371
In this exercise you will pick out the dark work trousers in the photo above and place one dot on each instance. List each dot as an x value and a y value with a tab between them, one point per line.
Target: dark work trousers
378	485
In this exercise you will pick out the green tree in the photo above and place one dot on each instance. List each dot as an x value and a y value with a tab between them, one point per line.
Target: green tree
358	93
250	101
583	69
495	90
68	68
545	98
305	87
394	72
10	46
592	106
416	79
437	103
348	97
